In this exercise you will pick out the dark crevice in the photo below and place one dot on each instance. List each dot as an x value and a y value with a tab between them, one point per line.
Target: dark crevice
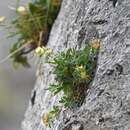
114	2
33	98
110	72
99	22
100	93
115	71
101	120
119	68
81	35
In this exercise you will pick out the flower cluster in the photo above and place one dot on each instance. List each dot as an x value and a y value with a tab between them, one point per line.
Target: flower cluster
43	51
82	71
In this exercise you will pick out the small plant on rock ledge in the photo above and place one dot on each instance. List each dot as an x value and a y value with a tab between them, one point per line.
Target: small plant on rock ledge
74	71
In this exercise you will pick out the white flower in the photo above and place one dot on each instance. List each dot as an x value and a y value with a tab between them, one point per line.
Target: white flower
43	51
2	18
40	51
21	10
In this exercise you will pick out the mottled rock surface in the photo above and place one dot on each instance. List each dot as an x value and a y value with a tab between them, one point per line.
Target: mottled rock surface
108	99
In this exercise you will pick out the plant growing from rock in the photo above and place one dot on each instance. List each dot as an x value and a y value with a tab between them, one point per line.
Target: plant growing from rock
74	71
32	26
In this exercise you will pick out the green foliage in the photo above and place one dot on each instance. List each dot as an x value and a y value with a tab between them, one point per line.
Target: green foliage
53	113
33	23
74	70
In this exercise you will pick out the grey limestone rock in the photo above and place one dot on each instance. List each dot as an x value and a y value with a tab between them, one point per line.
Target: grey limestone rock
108	99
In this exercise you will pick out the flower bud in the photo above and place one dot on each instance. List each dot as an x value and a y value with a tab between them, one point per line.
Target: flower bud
40	51
21	10
2	18
45	119
96	43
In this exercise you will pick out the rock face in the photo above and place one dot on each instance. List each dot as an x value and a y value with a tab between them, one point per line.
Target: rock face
108	99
